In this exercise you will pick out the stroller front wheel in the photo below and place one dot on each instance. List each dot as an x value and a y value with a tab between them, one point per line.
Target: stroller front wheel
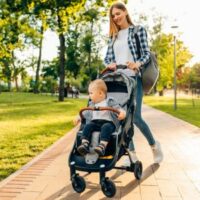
78	183
108	188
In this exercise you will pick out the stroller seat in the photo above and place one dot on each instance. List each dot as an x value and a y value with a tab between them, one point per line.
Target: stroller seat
91	162
92	156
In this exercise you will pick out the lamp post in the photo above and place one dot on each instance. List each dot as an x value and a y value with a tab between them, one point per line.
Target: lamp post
175	86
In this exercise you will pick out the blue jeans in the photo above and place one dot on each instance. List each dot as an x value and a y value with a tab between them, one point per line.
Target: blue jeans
138	121
106	129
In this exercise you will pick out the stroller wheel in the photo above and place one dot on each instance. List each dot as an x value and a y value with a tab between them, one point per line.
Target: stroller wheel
78	183
138	170
108	188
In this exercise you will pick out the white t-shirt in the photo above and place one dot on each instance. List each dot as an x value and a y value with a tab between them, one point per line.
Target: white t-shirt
122	51
103	115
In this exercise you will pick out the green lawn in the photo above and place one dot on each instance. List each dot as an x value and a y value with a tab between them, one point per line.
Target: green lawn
185	109
30	123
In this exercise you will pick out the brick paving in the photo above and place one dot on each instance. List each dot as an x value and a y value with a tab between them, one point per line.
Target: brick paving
46	177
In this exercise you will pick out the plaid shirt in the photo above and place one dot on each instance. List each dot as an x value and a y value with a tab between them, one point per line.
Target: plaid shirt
145	51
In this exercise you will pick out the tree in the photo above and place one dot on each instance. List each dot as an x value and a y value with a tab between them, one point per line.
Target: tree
6	71
84	40
57	15
73	62
163	45
36	87
51	69
196	75
16	31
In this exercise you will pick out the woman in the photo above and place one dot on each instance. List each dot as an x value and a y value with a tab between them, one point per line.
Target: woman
122	50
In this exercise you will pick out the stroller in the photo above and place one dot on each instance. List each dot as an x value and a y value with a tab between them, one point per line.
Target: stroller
121	88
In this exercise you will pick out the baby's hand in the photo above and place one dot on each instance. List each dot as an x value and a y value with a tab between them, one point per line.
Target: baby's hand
121	115
76	120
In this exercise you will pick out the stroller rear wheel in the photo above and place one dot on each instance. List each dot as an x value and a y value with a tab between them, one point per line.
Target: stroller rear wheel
78	183
108	188
138	170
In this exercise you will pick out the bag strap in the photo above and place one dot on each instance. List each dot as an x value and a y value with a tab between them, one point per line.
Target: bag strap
138	44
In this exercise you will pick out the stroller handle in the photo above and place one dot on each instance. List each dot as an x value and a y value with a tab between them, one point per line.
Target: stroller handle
97	109
111	70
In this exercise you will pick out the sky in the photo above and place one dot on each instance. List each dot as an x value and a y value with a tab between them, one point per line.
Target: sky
183	13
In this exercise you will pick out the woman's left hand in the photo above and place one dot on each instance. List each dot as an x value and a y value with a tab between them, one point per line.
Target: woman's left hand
133	65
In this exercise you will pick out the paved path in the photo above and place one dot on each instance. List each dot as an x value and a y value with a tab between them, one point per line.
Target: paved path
177	178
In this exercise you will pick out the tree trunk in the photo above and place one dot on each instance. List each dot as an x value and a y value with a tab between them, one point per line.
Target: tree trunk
36	87
90	52
15	73
9	85
7	73
16	83
161	93
61	60
62	67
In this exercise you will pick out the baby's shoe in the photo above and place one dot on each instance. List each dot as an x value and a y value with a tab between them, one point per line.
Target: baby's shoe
83	149
157	152
100	149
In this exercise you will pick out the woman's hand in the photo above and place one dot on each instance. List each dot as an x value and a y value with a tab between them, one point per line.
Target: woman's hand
112	66
134	65
121	115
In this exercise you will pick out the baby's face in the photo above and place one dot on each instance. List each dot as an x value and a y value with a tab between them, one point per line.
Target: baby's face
95	95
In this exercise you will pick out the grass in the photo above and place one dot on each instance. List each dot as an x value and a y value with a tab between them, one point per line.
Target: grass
29	123
185	108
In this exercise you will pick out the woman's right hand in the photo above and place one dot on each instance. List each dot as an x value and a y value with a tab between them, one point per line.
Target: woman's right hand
112	66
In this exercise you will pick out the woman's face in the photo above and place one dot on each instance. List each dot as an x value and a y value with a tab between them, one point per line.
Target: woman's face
119	17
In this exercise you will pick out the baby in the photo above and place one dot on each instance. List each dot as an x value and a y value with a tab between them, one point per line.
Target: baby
104	121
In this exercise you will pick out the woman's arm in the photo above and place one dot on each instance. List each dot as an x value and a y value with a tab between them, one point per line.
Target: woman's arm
108	60
110	57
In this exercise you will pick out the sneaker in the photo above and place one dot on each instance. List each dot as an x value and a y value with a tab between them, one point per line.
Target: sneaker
126	161
157	153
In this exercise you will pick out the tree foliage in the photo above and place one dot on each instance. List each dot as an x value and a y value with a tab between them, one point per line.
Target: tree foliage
163	45
16	32
78	27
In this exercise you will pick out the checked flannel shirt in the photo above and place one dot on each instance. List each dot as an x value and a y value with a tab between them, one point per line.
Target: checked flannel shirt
145	51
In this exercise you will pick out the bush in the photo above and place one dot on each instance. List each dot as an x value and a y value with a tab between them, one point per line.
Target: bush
49	84
4	88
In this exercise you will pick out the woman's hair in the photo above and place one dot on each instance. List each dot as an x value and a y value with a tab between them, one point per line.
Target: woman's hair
114	29
99	84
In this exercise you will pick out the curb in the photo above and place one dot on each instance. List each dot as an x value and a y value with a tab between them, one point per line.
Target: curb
35	159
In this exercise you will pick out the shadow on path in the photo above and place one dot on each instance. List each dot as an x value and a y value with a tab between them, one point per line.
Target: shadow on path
68	193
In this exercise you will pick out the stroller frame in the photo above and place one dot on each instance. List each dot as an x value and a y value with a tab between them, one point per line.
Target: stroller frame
120	139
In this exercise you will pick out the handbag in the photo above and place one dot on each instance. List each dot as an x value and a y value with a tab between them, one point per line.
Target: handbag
150	71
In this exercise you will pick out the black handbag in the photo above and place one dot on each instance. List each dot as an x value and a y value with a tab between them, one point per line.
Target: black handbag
150	71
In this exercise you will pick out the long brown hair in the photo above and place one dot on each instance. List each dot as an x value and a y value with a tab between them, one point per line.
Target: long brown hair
114	29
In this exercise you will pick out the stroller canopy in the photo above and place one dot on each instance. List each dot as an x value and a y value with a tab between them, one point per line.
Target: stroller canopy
120	86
